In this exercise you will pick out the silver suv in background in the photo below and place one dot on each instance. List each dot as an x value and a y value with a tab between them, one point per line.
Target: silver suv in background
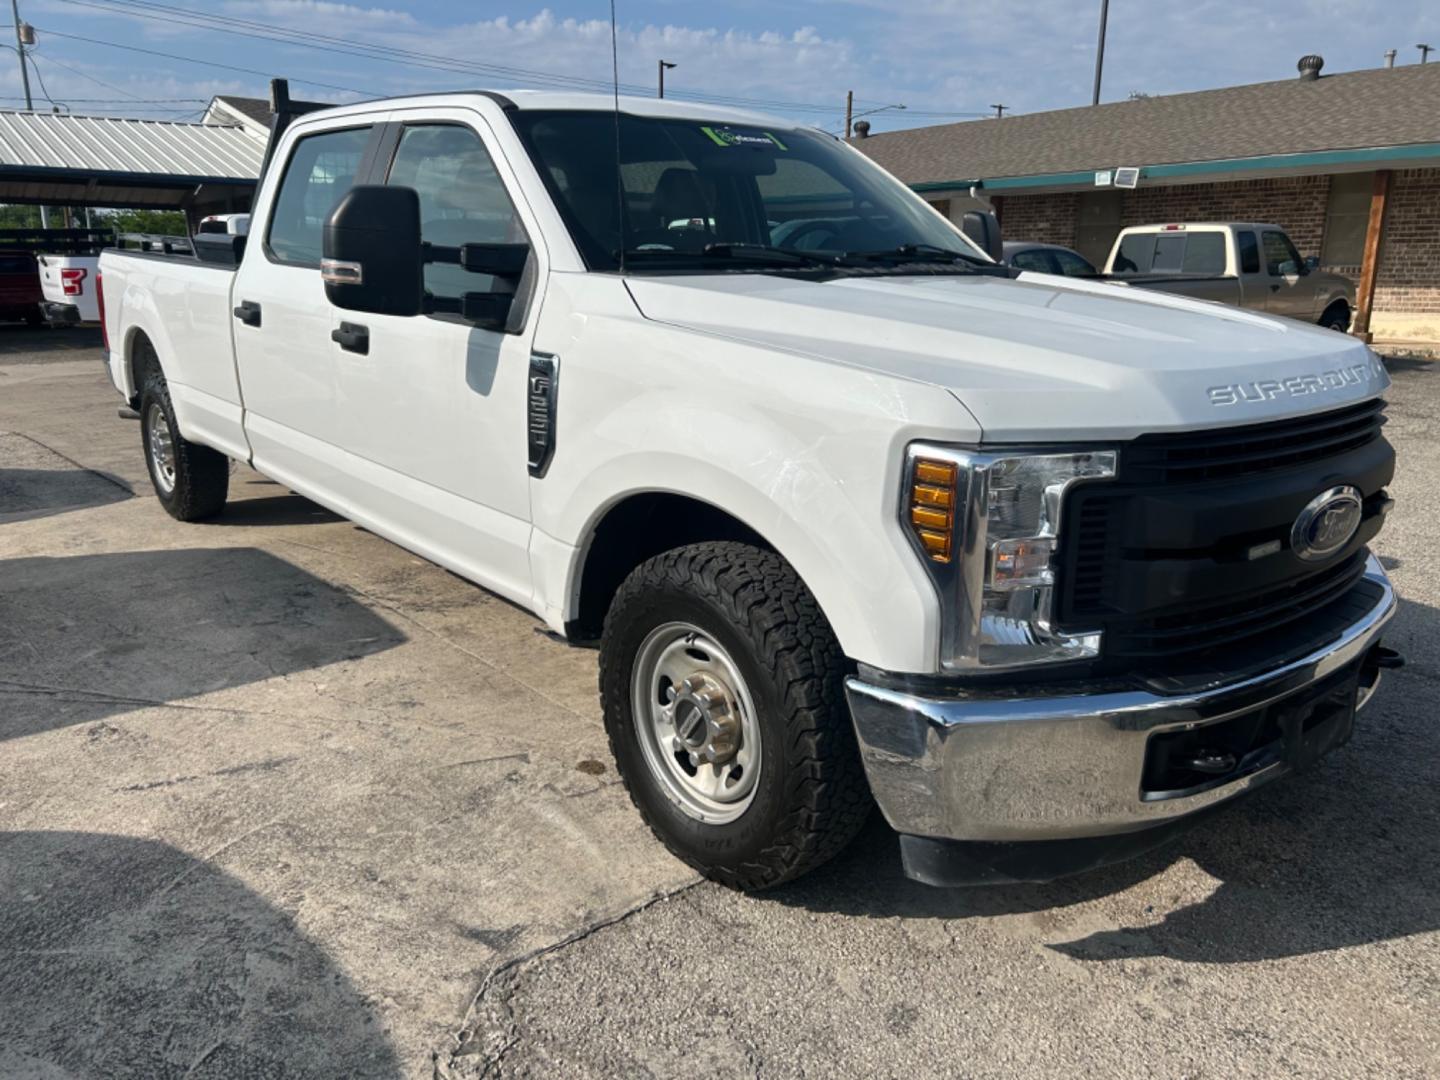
1242	263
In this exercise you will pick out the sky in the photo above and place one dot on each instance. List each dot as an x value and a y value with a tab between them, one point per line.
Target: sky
944	60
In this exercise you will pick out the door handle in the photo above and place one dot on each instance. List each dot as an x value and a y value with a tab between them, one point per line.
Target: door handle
248	312
352	337
1274	288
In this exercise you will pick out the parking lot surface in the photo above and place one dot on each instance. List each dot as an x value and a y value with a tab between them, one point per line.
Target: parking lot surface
279	799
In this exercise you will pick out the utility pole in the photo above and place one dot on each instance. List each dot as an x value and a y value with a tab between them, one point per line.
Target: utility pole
999	111
663	64
1100	51
23	34
849	113
20	49
1425	51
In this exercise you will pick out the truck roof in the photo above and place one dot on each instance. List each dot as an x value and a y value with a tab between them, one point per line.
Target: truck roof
1201	225
566	100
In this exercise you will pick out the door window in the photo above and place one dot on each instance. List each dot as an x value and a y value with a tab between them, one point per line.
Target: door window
322	168
1071	264
462	200
1035	260
1249	252
1281	258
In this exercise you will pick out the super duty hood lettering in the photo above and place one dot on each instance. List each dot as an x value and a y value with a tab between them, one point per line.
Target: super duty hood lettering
1372	373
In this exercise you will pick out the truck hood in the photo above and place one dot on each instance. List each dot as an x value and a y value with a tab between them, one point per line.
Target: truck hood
1038	357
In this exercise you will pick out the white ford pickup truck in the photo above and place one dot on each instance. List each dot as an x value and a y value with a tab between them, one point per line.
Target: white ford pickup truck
1041	566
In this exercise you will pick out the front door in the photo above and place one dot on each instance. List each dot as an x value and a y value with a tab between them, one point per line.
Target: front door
1291	289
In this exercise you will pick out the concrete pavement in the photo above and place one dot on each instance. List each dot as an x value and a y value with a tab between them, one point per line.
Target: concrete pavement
279	799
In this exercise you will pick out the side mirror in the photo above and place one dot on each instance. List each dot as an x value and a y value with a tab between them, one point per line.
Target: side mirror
982	228
1312	263
373	259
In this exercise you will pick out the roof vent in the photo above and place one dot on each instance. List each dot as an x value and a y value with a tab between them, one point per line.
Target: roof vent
1309	67
862	129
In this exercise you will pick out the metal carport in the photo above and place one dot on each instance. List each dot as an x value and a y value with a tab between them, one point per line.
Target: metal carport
102	161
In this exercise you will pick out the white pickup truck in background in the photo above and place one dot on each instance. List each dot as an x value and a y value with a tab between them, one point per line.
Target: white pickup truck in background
1041	565
68	282
1242	263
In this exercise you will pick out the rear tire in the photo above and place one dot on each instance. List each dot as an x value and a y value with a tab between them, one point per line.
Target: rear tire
728	639
191	481
1336	317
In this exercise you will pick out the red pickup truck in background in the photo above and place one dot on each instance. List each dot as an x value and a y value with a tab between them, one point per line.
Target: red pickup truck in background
20	292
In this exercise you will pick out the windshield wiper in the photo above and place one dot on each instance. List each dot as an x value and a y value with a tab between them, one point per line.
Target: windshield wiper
919	253
749	254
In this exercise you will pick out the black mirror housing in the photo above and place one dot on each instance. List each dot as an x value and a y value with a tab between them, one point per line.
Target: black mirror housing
982	228
373	258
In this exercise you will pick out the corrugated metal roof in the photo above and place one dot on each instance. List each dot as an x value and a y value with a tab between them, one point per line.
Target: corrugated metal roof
107	144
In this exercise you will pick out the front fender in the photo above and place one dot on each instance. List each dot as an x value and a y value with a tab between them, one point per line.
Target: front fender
820	486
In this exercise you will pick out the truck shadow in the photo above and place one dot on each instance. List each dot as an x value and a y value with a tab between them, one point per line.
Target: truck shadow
288	509
123	957
84	637
1345	855
28	494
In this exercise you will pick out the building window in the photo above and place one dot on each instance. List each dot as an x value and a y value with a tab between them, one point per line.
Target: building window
1347	216
943	205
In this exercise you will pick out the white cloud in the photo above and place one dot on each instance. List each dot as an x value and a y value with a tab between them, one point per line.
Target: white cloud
935	55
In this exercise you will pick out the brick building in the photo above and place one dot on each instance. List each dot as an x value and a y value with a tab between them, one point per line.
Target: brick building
1347	164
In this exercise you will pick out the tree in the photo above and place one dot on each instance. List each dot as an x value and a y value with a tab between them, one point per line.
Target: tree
157	222
19	217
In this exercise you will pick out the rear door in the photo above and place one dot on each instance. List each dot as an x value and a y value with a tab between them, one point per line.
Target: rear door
1254	275
294	411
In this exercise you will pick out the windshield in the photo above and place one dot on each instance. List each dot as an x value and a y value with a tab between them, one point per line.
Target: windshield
696	192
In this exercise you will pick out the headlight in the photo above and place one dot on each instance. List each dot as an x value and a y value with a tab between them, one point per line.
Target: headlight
987	525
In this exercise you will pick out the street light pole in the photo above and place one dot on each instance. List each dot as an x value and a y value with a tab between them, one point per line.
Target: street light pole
662	65
1100	51
20	49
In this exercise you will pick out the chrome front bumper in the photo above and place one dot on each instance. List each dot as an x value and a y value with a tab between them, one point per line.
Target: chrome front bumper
1012	765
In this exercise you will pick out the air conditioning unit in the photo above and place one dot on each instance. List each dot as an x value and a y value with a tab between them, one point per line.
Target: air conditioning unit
1127	177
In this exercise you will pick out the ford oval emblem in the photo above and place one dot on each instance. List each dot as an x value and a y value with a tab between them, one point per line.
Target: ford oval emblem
1327	523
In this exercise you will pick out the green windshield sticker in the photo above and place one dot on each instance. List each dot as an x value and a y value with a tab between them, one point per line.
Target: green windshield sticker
730	137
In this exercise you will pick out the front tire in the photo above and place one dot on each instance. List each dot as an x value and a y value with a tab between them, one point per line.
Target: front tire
1336	317
191	481
722	687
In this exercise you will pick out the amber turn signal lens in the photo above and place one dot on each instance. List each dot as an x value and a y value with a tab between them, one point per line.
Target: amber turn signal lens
931	504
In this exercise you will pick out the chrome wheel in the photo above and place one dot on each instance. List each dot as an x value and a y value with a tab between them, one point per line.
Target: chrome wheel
162	447
696	723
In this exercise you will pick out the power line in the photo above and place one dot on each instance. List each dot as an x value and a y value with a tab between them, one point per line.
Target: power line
98	82
44	90
204	63
225	24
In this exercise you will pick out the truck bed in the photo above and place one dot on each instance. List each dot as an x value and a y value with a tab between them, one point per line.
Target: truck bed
183	307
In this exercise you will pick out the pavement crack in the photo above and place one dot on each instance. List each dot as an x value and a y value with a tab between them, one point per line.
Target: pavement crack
208	858
451	1062
71	693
